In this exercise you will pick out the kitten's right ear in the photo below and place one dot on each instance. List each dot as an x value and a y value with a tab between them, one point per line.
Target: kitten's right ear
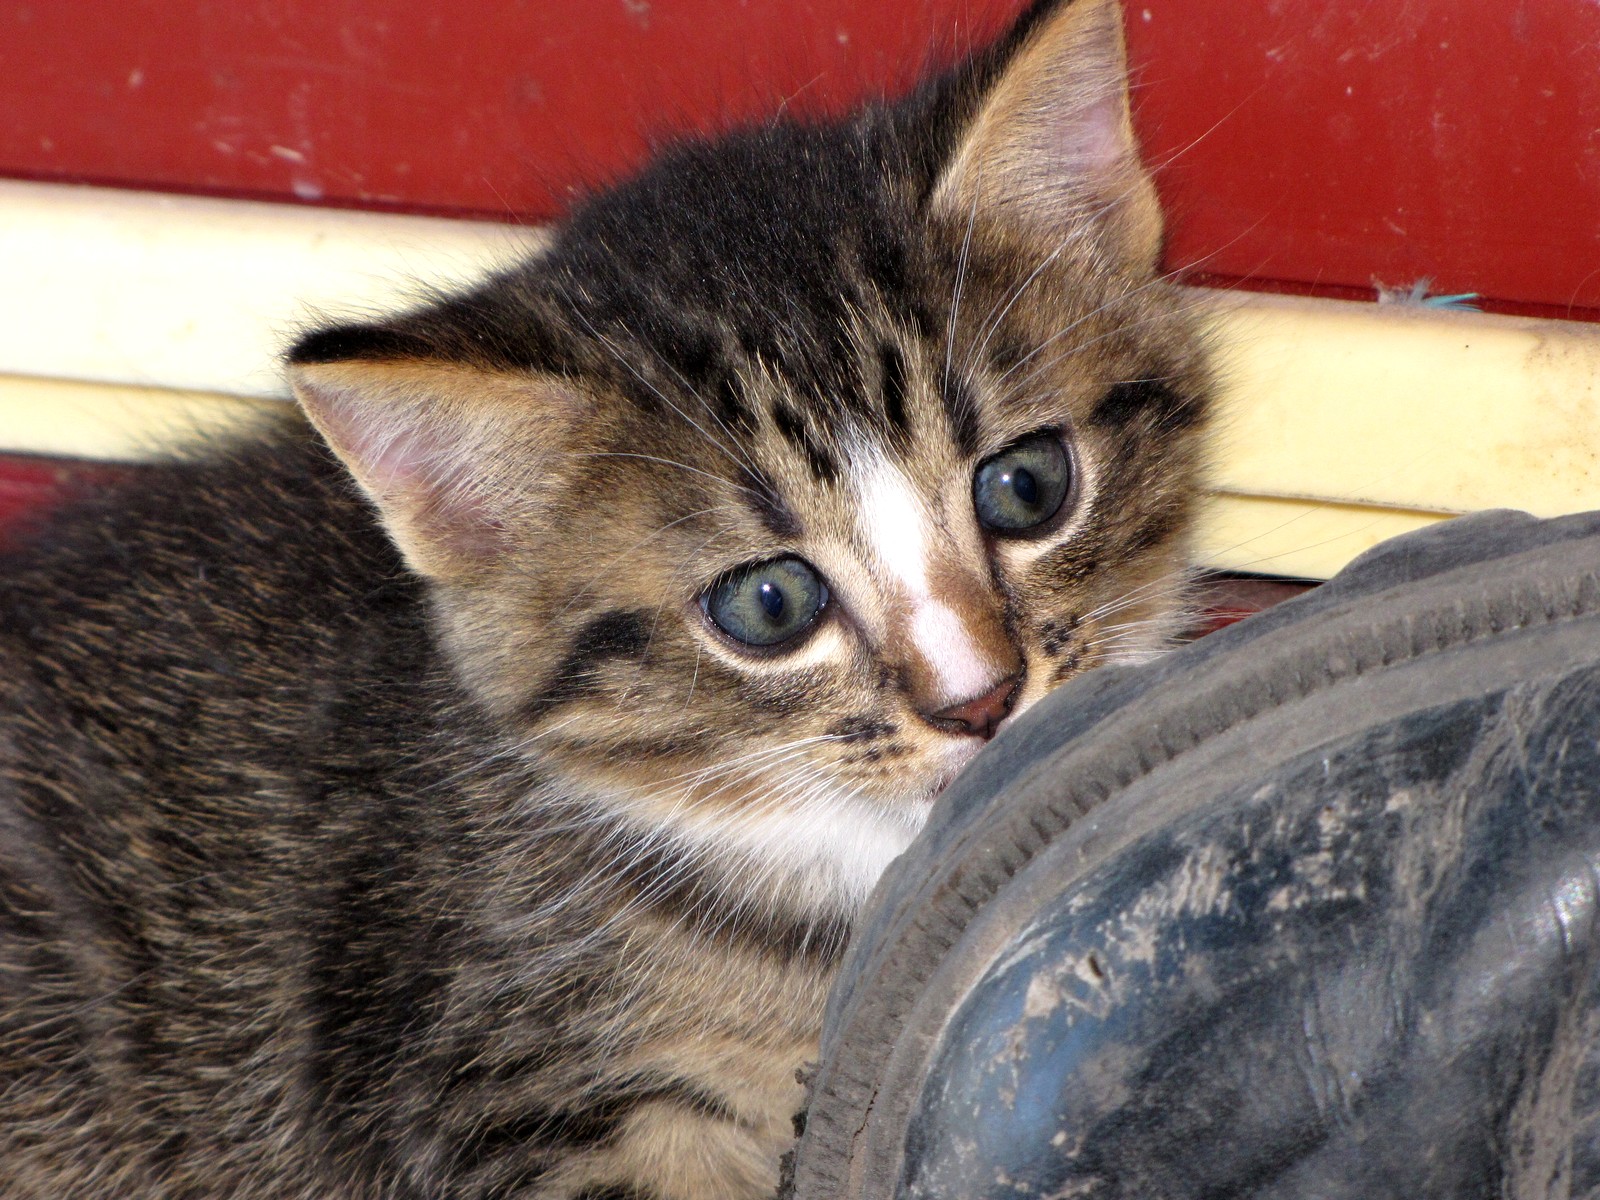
1049	149
456	458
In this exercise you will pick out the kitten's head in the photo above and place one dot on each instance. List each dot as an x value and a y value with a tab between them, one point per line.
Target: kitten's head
802	461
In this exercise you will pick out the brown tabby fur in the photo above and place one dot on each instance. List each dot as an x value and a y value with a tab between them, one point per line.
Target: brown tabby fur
427	839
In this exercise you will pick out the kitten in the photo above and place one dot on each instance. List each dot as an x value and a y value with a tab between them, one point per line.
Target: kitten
479	809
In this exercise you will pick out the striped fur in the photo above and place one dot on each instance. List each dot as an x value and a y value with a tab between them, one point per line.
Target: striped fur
394	822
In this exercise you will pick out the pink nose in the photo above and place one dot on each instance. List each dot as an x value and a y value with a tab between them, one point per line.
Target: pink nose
981	715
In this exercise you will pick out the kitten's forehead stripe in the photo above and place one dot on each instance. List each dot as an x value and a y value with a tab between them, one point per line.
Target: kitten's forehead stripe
794	429
732	410
763	496
892	368
961	413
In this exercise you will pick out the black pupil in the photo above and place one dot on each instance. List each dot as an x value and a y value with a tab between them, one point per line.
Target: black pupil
1025	486
771	601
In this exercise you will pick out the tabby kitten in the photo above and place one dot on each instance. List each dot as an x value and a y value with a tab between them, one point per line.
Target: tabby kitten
479	809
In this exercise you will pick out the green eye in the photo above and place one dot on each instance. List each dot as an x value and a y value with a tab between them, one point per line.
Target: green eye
767	603
1024	485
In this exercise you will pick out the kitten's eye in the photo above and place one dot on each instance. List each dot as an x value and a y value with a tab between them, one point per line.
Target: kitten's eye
767	603
1024	485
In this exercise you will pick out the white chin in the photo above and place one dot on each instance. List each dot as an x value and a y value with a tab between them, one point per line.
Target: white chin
823	853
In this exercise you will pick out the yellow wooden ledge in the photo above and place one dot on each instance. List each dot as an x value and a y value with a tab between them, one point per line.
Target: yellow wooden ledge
1275	535
71	419
129	320
1414	407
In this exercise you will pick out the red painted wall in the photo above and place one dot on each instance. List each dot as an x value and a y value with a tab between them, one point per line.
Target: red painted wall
1308	144
30	485
1330	142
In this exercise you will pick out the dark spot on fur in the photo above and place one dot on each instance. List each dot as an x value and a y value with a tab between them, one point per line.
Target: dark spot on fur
883	262
1067	667
365	342
862	729
1074	561
789	424
616	634
1153	530
573	1128
794	430
1117	407
838	373
1055	636
582	1126
1180	412
1165	409
731	408
892	369
1005	353
877	753
696	355
479	1072
961	412
892	271
763	496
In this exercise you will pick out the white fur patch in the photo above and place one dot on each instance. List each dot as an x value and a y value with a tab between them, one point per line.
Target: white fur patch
822	848
942	637
897	528
895	525
826	849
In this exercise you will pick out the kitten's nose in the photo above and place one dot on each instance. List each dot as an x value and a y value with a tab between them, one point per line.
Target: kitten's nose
981	715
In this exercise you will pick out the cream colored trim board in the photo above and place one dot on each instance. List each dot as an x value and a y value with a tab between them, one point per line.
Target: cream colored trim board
1273	535
196	294
1407	407
69	419
130	318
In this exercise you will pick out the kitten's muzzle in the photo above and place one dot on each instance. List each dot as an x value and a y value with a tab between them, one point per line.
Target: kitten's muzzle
981	715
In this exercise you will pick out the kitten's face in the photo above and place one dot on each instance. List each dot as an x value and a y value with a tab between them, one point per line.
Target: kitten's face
767	520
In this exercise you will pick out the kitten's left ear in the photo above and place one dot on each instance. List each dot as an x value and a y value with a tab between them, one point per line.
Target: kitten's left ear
1051	147
455	458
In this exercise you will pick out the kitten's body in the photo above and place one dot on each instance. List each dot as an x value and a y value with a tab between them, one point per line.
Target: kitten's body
445	842
251	933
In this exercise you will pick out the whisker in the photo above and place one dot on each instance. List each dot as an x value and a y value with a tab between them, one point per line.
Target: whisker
955	298
992	325
736	455
1121	298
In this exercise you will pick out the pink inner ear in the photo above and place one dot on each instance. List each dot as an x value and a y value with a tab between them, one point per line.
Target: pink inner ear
457	515
418	465
1092	139
1052	145
426	473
